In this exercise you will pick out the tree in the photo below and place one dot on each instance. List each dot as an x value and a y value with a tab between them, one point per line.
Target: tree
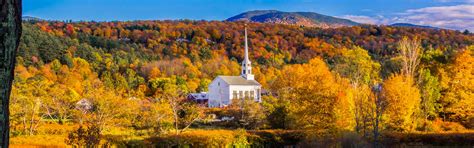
106	112
410	51
362	72
60	102
466	32
458	92
26	104
251	115
184	113
203	85
276	111
156	114
357	65
430	93
403	101
10	32
84	137
313	94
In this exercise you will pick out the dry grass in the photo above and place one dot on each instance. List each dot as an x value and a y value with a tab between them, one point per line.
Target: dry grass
459	138
38	141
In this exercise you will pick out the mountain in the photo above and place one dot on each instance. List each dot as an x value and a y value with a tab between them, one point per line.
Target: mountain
310	19
30	18
413	25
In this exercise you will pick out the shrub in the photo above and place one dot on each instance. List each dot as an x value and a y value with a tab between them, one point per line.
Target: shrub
201	138
88	137
275	138
442	126
56	129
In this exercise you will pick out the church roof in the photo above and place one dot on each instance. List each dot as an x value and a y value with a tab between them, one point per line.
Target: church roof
238	80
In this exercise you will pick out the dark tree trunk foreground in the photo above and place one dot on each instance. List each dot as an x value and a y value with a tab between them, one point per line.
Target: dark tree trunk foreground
10	32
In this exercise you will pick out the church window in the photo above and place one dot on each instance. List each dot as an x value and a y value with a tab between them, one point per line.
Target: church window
241	94
258	93
252	94
235	95
244	71
247	94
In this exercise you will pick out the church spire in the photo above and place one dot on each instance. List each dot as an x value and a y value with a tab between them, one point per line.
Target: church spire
246	46
246	64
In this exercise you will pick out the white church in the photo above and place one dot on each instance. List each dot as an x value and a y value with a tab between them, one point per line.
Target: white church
225	88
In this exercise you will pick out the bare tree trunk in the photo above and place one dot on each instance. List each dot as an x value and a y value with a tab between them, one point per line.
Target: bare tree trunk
410	50
10	32
379	109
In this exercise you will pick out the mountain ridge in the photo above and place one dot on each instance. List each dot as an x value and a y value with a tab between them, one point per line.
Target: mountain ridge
413	25
310	19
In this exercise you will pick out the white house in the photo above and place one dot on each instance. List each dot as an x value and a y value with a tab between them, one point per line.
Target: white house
225	88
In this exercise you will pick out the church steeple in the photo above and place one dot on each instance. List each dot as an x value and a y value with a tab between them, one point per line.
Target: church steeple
246	64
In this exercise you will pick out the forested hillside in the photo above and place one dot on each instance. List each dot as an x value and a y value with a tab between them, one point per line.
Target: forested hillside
308	19
133	77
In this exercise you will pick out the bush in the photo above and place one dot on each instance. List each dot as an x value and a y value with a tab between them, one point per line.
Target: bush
439	125
89	137
56	129
275	138
201	138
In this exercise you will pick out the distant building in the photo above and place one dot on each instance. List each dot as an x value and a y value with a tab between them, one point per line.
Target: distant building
84	105
225	88
200	98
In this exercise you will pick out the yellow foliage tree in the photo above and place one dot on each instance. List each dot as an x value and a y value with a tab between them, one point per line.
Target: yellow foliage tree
458	99
357	66
314	95
403	101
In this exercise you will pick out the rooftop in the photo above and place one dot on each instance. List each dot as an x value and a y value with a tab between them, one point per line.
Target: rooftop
238	80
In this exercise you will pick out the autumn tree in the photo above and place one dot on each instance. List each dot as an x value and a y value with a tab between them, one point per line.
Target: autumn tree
184	113
250	114
430	94
84	137
60	102
105	112
276	112
410	51
402	99
458	82
27	105
155	114
357	65
312	92
362	72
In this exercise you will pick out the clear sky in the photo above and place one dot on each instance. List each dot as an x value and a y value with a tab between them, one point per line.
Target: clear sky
454	14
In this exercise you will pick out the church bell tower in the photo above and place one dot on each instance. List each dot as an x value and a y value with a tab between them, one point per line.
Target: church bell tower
246	64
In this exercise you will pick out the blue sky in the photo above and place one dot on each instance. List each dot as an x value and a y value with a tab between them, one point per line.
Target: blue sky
454	14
